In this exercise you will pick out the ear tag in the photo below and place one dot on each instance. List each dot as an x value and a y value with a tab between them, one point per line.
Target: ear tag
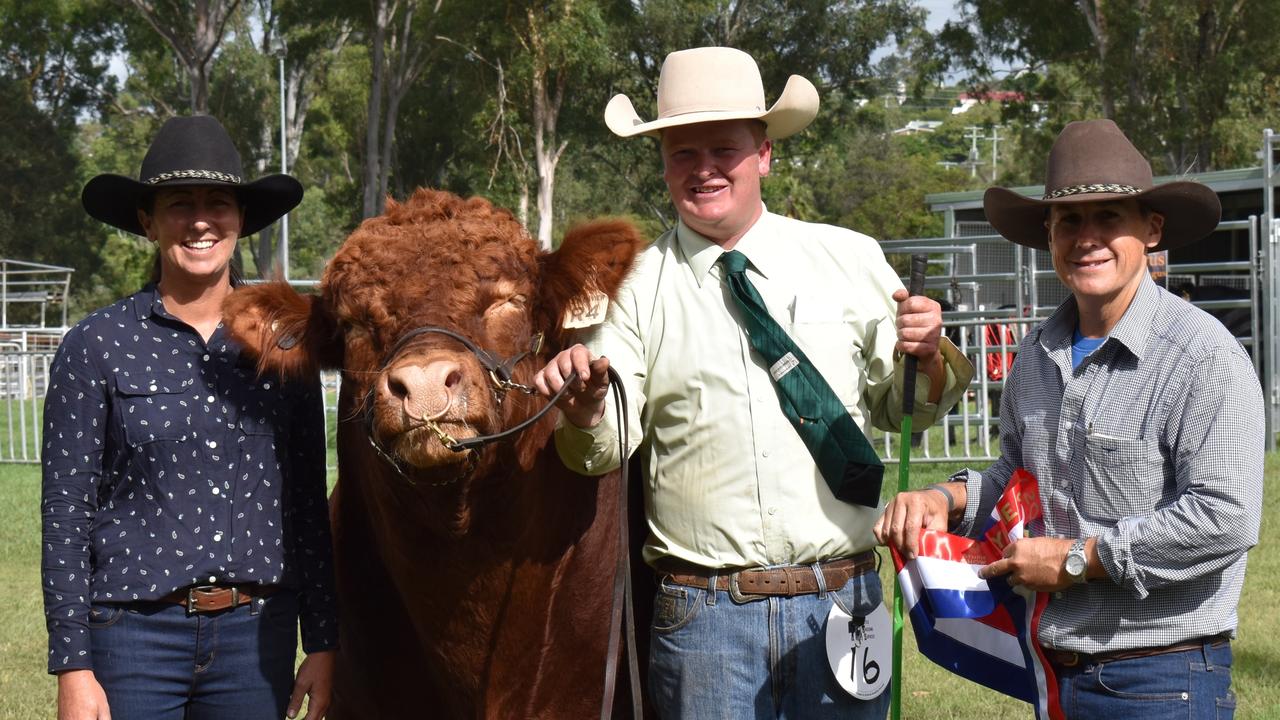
535	344
284	342
586	312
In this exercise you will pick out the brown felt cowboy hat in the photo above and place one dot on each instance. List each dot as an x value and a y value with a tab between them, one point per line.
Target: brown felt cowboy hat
710	84
190	151
1092	160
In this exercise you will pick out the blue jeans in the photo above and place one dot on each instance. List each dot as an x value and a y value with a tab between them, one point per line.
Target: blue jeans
155	661
1194	684
711	657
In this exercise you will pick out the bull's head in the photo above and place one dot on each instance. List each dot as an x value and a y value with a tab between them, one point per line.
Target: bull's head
429	310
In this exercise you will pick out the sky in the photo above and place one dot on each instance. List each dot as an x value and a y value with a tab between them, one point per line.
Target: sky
940	11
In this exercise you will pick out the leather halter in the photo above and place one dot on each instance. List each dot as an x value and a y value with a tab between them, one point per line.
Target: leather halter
499	372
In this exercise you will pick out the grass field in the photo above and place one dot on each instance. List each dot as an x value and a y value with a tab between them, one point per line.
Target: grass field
27	693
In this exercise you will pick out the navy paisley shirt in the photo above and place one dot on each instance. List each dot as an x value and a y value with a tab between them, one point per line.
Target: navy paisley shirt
168	462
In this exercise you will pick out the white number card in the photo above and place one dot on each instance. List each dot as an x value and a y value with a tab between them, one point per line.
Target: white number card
860	651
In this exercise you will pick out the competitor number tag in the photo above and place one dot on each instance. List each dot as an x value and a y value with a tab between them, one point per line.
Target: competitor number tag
859	651
585	312
785	364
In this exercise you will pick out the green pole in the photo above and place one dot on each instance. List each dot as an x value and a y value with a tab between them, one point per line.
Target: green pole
918	264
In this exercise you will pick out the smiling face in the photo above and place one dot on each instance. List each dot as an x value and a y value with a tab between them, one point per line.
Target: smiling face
713	172
1099	252
195	229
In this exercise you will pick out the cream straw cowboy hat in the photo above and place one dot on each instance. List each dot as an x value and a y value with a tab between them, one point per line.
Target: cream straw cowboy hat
715	83
1092	160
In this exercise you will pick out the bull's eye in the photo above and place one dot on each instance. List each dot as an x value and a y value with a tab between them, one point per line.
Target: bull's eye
512	303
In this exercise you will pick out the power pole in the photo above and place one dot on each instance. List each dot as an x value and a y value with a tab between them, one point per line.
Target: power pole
995	153
975	134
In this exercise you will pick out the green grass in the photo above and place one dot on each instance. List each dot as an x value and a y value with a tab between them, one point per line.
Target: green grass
26	692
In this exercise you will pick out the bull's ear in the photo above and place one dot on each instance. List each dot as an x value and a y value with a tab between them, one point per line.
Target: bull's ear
593	260
286	332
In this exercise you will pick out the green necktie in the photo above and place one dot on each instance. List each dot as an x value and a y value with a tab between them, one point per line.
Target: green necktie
845	458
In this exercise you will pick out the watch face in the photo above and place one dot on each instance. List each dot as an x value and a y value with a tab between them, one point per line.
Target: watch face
1075	565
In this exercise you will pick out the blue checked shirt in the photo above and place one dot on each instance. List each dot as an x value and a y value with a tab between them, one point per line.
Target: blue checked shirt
168	463
1154	445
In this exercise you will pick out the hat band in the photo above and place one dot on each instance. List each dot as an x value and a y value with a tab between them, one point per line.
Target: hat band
1092	188
198	174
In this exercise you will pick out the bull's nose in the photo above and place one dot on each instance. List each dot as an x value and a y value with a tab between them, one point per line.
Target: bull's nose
425	391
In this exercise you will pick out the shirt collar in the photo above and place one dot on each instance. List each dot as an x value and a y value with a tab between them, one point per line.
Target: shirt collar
147	302
702	254
1132	331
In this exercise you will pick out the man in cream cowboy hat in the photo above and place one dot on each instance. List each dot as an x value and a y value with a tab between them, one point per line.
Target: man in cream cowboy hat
755	349
1141	416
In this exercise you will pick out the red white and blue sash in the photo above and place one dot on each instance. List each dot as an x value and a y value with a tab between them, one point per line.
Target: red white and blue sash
983	630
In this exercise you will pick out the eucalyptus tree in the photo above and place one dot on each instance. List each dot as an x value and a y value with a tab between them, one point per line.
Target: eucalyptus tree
1172	73
193	30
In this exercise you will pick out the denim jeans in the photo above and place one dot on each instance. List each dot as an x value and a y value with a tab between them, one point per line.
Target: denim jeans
156	662
1194	684
711	657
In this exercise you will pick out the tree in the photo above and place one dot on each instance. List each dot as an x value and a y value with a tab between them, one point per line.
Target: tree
403	44
1166	72
193	29
310	41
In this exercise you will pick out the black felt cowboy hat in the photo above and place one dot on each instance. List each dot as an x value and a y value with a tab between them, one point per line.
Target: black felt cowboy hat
190	151
1093	161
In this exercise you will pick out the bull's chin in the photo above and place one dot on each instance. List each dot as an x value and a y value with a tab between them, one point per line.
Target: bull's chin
421	449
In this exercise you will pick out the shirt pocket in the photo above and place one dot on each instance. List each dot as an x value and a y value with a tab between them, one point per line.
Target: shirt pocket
261	406
154	411
830	346
1122	477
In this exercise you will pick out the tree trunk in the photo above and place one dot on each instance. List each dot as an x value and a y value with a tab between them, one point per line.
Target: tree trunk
382	12
522	211
546	151
1097	20
194	52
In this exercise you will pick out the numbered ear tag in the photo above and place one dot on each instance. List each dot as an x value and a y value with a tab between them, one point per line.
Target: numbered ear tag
860	651
585	312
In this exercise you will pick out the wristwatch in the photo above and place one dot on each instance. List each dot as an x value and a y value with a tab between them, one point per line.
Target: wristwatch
1077	562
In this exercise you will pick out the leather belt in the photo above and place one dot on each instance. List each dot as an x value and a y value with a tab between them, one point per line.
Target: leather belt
785	581
212	598
1067	658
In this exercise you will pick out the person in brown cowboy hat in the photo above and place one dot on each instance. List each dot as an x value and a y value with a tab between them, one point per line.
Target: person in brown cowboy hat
755	348
185	524
1141	417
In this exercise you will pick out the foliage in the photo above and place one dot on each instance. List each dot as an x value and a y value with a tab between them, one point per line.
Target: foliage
508	97
1168	73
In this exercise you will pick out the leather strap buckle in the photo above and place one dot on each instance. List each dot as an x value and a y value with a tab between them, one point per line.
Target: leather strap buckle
736	593
196	593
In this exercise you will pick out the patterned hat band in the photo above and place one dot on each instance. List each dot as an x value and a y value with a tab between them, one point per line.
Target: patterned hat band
1092	188
197	174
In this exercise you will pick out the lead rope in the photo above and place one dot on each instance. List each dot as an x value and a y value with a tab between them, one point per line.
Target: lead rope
623	605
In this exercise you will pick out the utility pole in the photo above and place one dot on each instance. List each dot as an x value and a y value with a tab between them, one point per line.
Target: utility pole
975	134
995	153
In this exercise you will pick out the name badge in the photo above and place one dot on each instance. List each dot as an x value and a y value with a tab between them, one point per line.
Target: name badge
860	651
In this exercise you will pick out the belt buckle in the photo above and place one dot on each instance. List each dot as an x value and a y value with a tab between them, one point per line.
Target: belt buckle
1069	658
736	593
193	604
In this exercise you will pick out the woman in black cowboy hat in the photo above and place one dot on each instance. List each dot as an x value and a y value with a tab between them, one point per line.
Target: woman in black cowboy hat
185	524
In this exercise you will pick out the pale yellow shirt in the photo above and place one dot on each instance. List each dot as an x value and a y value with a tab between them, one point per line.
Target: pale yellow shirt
729	481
